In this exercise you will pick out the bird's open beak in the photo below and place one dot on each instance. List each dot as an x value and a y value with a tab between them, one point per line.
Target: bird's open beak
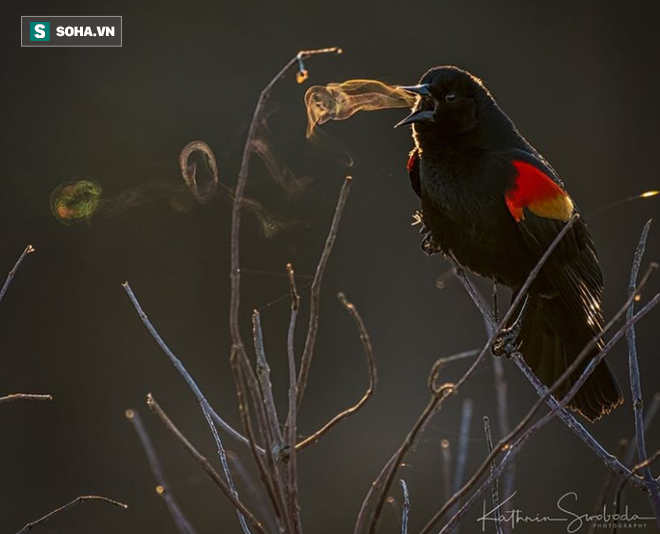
416	116
422	89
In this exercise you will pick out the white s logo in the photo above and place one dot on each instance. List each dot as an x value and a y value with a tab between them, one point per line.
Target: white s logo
39	32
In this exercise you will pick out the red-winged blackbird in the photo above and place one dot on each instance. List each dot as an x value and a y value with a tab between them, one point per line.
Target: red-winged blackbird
492	201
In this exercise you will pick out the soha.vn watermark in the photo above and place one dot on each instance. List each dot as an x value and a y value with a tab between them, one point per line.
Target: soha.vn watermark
568	516
68	31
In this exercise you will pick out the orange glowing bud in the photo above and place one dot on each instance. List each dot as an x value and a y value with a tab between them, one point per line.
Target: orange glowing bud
302	75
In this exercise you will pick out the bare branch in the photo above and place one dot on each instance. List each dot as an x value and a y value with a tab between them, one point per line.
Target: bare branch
315	292
178	365
495	492
463	442
512	448
292	485
28	250
263	374
162	487
405	509
74	502
265	464
545	396
257	117
25	396
373	376
384	480
635	381
201	460
607	484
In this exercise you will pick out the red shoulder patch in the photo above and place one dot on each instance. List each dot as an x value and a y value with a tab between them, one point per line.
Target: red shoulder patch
412	160
413	171
536	191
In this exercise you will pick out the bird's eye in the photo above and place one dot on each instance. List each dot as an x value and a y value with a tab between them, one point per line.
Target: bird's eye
450	97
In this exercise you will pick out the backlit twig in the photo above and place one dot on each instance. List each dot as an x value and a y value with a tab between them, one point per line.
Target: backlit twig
25	396
371	363
28	250
204	463
635	381
162	487
68	506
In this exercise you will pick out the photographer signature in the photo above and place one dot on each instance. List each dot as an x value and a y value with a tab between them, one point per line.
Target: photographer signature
574	521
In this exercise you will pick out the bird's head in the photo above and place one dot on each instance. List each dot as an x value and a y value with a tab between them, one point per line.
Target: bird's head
450	101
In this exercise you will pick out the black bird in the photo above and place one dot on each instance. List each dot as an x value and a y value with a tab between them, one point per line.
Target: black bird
491	201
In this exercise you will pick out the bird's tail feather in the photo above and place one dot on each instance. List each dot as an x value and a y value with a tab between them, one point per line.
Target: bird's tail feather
550	339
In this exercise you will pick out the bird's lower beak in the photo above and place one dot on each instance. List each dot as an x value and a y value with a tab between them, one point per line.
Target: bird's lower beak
416	116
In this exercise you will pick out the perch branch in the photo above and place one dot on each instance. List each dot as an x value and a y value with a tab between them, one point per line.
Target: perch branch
545	394
511	448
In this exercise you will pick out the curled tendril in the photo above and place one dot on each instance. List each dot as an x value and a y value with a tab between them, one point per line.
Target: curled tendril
204	192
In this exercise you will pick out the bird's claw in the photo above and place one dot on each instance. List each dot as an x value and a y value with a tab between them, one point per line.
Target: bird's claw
505	344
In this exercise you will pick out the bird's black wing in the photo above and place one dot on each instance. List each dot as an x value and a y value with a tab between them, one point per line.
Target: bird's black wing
541	206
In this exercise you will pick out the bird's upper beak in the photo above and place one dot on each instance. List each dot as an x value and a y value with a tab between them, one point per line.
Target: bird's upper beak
417	116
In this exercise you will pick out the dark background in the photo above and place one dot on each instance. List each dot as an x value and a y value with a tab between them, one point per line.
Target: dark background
578	78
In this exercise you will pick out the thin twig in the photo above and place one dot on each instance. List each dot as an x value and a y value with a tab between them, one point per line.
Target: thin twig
651	412
384	479
405	509
265	464
178	365
253	489
28	250
635	381
503	424
372	373
495	491
263	374
162	487
545	393
315	292
445	449
545	396
25	396
204	463
463	442
239	193
292	418
74	502
511	449
607	484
